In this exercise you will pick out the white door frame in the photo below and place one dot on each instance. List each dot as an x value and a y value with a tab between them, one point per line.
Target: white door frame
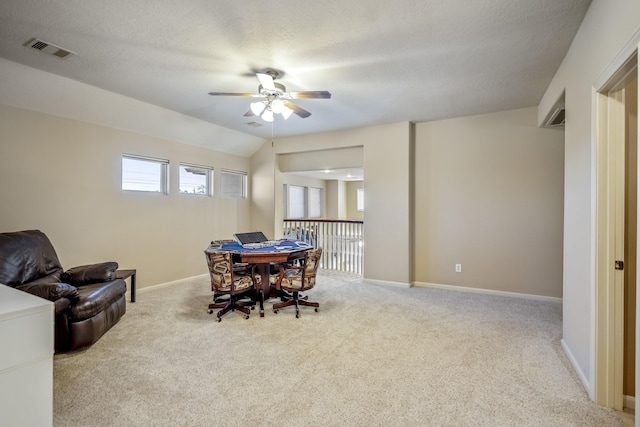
609	287
610	249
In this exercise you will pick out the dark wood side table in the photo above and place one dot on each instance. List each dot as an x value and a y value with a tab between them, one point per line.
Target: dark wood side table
125	274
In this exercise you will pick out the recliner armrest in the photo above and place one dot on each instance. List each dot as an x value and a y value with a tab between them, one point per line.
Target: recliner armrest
92	273
51	291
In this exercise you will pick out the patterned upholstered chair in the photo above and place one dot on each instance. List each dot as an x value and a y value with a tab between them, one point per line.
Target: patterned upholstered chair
296	279
238	283
239	267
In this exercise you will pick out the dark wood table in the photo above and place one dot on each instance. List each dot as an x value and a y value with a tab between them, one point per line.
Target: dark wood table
125	274
285	251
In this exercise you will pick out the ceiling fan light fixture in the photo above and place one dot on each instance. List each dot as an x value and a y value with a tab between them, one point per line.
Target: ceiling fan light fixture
267	116
257	107
277	99
276	106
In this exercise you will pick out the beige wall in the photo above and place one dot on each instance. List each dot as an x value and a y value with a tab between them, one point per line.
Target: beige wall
265	178
318	160
336	199
304	181
351	199
387	205
63	177
517	247
608	28
489	194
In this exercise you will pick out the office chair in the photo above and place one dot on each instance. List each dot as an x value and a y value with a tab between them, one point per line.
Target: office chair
234	281
296	279
237	266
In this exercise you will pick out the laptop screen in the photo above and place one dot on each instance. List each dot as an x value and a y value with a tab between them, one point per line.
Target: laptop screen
252	237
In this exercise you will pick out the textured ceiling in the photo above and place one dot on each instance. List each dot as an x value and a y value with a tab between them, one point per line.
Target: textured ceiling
383	61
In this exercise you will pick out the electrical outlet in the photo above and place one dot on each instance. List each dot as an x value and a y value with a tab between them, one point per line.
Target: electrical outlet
458	268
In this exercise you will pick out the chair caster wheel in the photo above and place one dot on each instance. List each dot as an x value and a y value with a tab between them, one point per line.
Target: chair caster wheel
317	310
210	311
275	311
218	319
297	316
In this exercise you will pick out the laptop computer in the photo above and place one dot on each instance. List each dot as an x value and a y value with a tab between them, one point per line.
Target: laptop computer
253	239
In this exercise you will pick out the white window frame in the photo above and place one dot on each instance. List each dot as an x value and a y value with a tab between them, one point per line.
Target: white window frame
207	171
224	192
128	182
360	199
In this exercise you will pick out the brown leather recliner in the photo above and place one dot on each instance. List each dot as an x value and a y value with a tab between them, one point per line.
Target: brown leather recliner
88	299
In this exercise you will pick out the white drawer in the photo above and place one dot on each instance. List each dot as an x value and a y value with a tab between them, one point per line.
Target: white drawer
26	327
26	395
26	338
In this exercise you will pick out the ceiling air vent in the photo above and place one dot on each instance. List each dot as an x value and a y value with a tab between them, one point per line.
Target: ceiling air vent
254	124
48	48
556	118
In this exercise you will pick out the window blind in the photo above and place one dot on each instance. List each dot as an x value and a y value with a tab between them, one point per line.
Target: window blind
233	184
296	201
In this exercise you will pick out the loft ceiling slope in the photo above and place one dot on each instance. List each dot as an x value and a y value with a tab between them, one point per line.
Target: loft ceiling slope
36	90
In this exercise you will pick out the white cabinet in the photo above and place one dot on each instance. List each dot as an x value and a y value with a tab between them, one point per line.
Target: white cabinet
26	359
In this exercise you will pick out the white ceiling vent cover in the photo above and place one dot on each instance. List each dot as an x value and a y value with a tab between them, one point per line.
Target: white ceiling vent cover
46	47
556	118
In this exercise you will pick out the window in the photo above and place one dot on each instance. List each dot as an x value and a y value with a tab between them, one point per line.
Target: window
144	174
296	201
196	179
315	202
302	202
233	184
360	199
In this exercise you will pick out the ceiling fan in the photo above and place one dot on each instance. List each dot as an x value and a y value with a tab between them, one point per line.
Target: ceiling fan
276	98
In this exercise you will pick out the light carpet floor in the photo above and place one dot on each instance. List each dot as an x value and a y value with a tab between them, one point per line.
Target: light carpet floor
372	356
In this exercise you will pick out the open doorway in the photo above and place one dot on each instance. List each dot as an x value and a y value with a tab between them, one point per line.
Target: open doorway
317	190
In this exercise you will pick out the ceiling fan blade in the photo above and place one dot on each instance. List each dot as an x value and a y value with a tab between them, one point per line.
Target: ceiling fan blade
230	94
311	94
266	81
298	110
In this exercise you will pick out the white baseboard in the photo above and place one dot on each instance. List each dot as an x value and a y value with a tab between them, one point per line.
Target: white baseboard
630	402
165	284
487	292
577	369
387	283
